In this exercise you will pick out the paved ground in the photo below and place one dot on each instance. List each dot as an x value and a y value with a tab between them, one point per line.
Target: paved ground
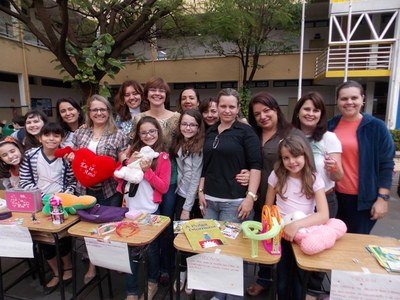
30	289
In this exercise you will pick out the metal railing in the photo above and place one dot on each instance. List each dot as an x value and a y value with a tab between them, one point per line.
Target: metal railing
361	57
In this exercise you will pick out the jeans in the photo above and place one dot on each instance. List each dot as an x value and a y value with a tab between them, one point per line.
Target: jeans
167	208
153	258
224	211
290	276
355	220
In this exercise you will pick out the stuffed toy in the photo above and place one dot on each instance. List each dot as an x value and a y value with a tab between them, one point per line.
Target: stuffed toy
315	239
69	202
133	172
89	168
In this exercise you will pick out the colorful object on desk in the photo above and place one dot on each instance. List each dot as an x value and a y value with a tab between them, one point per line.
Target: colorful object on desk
56	210
21	200
252	229
4	212
315	239
273	246
69	202
134	228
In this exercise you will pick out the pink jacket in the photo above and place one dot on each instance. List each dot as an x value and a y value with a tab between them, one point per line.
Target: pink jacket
158	179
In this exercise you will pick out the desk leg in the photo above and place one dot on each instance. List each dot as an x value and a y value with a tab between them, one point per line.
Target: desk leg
305	280
1	282
146	273
274	270
74	249
178	274
59	266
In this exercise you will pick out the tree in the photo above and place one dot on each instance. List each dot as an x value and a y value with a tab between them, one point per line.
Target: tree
88	36
248	29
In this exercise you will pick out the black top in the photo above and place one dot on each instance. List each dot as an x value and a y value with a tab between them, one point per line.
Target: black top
225	155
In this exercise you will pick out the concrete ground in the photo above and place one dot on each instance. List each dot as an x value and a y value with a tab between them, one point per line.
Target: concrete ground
31	289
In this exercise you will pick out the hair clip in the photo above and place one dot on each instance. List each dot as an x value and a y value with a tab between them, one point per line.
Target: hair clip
9	139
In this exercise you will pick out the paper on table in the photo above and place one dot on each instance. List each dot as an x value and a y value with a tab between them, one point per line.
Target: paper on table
15	241
108	254
215	272
368	286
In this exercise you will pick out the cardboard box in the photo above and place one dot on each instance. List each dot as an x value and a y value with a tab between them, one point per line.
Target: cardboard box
24	201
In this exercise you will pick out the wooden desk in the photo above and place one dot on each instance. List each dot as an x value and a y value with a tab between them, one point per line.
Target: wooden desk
238	247
348	254
144	237
44	232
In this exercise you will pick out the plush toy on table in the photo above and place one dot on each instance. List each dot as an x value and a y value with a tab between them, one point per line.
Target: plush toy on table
133	172
70	203
315	239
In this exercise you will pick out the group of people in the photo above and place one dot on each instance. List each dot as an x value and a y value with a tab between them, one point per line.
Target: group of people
213	164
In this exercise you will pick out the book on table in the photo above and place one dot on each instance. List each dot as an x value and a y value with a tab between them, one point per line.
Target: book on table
203	234
387	257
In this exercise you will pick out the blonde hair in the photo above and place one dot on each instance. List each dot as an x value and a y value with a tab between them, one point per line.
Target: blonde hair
111	126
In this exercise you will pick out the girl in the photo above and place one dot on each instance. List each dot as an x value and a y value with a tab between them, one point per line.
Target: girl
41	169
297	187
368	152
147	196
34	121
70	117
11	156
188	151
129	103
188	99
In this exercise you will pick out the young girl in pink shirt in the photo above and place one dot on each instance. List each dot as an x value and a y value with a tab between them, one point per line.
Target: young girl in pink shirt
295	186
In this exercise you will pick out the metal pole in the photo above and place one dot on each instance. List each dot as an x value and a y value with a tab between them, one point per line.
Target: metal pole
301	50
348	41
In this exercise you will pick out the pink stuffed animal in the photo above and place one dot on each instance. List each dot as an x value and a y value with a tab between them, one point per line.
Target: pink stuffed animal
315	239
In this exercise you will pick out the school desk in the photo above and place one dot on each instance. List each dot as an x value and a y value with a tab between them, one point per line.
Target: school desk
145	235
348	254
235	247
44	232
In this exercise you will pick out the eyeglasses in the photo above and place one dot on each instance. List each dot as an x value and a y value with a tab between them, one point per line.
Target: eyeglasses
216	142
96	110
151	132
190	125
153	90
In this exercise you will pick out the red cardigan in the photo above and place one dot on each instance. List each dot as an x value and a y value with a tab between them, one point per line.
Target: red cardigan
159	178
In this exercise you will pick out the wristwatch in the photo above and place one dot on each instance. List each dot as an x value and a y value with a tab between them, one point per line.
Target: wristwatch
252	195
384	196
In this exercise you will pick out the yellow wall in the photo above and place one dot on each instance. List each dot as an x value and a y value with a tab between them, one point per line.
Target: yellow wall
38	62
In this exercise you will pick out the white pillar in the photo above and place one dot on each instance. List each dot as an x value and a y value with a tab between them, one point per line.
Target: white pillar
369	97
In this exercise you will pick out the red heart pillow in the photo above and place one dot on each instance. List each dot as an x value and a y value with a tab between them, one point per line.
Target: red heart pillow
60	152
91	169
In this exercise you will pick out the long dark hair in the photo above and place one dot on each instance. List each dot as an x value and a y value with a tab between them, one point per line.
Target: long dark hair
318	101
52	127
137	143
179	104
296	146
64	125
267	99
195	143
5	168
31	141
120	106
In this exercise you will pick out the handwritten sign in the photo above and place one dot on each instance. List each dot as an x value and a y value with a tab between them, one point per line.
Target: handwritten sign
100	251
15	241
216	272
368	286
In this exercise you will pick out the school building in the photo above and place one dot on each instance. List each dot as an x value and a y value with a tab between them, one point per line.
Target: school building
366	51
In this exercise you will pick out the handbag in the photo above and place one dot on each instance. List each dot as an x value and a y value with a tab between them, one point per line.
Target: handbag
102	214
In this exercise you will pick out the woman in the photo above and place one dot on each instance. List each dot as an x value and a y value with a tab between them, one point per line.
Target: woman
310	117
101	136
271	126
367	158
157	92
34	121
208	108
230	146
188	99
128	103
70	116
